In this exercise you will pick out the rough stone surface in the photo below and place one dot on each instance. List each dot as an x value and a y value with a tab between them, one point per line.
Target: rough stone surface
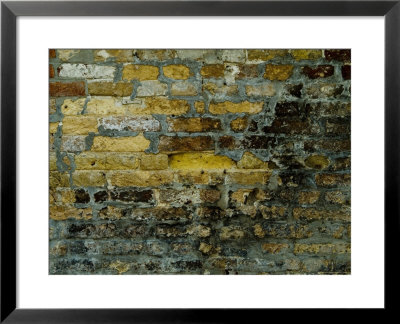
201	161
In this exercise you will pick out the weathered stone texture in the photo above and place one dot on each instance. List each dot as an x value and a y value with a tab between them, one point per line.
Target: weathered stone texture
201	161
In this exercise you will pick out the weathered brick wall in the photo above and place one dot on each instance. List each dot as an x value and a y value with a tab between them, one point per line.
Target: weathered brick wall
199	161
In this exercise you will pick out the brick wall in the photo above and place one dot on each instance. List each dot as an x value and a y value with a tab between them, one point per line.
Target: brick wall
199	161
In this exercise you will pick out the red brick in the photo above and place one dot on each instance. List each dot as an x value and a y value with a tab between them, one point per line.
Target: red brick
67	89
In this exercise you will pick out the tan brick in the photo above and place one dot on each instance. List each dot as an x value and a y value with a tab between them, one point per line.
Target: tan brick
120	89
106	161
260	55
105	106
220	90
278	72
52	106
200	161
200	107
113	54
231	233
52	161
152	88
89	178
308	197
176	71
192	177
274	248
259	90
160	105
53	127
247	177
67	196
301	54
140	72
250	161
332	179
239	124
154	162
213	71
336	197
233	107
193	125
64	212
323	248
120	144
140	178
58	179
315	214
79	125
73	106
183	89
155	54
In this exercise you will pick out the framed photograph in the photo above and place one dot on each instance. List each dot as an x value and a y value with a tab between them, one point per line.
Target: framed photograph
184	161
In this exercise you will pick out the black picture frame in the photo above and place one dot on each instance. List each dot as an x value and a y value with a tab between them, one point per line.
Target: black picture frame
9	13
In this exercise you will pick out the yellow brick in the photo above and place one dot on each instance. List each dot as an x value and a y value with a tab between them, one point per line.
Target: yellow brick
308	197
278	72
302	54
64	212
200	107
117	55
53	127
140	178
79	125
245	177
106	161
121	89
58	179
259	55
192	177
119	266
317	162
67	196
120	144
232	107
140	72
154	162
322	248
53	161
160	105
231	232
105	106
72	107
274	247
177	72
250	161
89	178
200	161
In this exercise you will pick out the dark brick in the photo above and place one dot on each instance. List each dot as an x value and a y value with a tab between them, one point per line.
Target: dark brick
132	195
294	89
287	109
289	126
338	55
174	143
320	71
346	72
81	196
101	196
